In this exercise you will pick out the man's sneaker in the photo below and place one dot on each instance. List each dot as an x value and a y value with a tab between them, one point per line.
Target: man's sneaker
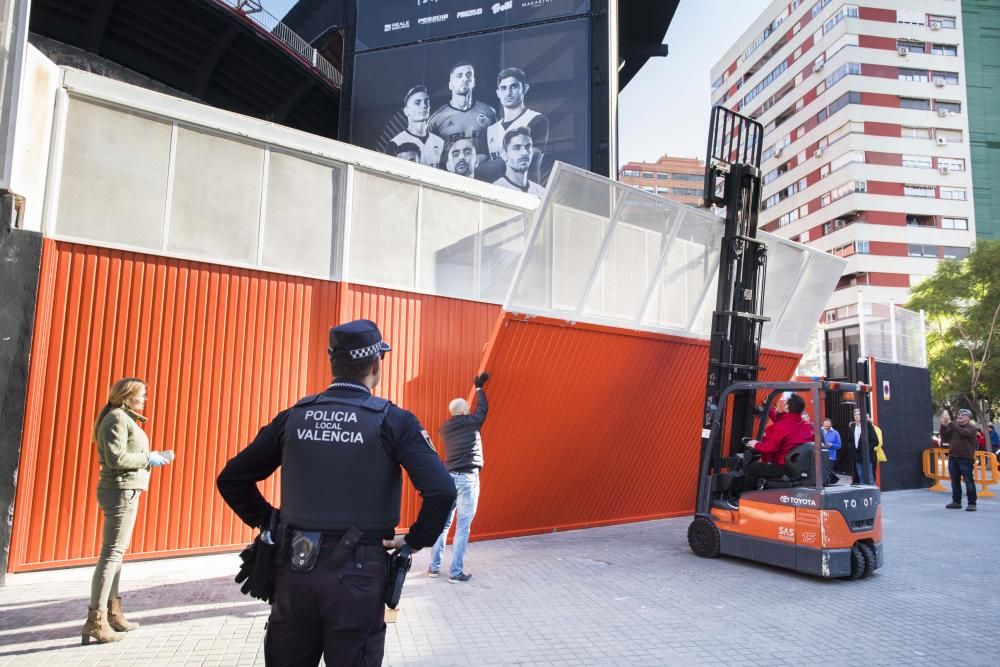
459	578
971	508
432	573
954	506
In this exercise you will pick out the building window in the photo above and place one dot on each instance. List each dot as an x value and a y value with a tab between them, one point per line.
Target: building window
918	161
917	250
647	174
920	221
951	136
953	193
630	172
952	163
916	132
953	107
663	191
919	191
954	223
953	252
847	11
944	49
914	103
663	177
906	74
936	20
846	159
911	16
948	78
843	251
909	45
862	247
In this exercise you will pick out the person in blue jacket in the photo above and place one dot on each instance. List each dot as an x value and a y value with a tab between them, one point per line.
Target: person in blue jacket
832	438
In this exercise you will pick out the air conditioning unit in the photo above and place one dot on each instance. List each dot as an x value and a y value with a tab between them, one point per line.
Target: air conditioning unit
944	113
935	25
902	51
944	169
941	141
819	152
939	83
818	67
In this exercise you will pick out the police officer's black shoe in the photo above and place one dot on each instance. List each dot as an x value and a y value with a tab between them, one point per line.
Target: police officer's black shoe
460	578
432	573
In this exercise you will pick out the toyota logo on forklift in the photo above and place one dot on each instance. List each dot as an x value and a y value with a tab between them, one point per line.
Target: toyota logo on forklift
842	534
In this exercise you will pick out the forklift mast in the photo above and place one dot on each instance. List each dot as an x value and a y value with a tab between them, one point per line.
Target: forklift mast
733	181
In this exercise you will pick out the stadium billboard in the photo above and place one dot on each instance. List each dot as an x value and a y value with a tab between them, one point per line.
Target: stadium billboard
382	23
498	106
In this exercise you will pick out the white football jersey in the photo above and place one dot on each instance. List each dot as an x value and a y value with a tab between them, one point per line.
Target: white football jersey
431	146
494	135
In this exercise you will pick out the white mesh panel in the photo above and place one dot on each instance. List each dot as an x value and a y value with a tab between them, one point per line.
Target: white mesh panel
909	345
447	245
383	231
502	242
302	221
114	179
801	317
215	209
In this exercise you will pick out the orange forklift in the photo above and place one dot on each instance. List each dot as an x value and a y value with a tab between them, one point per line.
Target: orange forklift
806	520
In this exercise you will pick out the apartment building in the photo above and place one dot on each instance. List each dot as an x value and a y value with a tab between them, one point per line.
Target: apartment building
866	135
678	178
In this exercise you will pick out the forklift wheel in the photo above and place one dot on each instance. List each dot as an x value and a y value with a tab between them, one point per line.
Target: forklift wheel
858	563
703	537
869	555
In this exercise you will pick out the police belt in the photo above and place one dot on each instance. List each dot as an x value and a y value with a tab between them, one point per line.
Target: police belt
305	548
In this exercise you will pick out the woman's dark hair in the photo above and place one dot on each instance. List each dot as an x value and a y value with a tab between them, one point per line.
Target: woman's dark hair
795	404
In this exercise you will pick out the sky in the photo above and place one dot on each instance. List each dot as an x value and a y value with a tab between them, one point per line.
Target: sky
665	108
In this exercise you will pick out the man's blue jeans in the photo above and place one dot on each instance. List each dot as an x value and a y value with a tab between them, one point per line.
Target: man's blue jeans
960	468
467	485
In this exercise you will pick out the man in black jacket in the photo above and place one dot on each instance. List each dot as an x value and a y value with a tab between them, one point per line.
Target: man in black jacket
854	429
463	447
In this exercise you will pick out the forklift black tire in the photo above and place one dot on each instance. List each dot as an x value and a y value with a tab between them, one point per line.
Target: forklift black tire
703	537
870	560
858	563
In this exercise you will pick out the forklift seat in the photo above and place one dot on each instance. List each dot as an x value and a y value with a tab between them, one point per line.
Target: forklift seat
799	464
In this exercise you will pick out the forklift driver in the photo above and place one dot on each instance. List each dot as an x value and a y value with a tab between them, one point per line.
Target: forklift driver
786	431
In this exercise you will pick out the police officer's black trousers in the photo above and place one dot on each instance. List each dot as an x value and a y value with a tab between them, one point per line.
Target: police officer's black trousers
337	613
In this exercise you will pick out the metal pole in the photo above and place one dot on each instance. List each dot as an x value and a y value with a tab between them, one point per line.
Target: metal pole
862	345
923	339
892	329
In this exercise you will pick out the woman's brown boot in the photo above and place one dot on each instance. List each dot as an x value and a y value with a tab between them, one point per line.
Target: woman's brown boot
97	628
116	617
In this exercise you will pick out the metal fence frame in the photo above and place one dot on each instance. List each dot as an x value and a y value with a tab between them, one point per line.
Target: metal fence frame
262	19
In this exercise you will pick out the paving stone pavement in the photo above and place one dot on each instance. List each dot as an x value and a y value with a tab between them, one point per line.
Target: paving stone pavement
621	595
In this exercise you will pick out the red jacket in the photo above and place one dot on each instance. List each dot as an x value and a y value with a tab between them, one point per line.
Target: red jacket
783	435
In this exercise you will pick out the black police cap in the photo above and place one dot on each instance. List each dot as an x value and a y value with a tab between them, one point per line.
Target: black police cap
357	339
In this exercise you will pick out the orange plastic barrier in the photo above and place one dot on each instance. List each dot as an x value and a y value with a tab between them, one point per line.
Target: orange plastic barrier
985	470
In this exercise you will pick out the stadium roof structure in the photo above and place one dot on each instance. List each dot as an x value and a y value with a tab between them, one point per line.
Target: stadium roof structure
227	53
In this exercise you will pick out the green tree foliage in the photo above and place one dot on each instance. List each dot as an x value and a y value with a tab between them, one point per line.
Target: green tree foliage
962	304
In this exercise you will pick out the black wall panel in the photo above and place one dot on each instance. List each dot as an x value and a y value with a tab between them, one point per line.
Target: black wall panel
906	423
20	260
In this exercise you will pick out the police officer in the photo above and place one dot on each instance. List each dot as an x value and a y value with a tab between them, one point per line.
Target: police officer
340	454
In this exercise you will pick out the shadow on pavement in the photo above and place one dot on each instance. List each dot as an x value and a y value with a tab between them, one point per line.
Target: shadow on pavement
170	598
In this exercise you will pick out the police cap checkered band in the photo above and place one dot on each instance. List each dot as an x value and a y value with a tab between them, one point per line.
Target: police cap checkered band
964	413
357	339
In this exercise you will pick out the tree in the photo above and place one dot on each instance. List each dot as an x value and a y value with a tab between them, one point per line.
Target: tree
962	303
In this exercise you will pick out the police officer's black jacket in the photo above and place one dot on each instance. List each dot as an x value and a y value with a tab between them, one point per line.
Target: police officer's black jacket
345	468
463	444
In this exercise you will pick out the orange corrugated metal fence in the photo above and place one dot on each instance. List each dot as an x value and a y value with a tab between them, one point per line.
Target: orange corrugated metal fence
223	350
588	425
591	425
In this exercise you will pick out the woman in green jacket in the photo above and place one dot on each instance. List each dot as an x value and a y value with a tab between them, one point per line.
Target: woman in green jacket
125	459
